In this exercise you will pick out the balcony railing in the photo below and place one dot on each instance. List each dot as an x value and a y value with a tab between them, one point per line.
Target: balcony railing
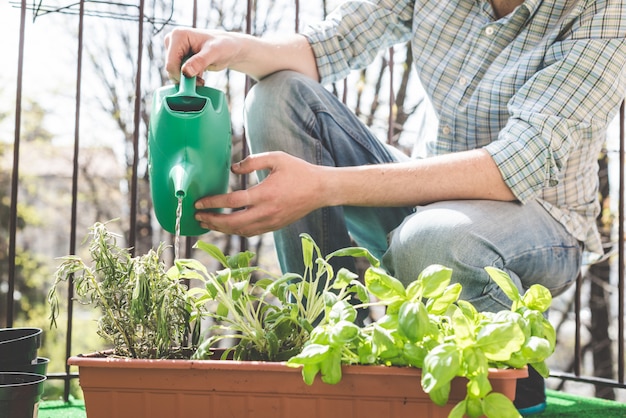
145	26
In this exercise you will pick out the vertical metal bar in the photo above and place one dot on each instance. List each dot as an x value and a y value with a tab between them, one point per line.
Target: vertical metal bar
620	285
297	24
137	129
194	18
243	183
190	240
392	98
74	207
16	171
578	322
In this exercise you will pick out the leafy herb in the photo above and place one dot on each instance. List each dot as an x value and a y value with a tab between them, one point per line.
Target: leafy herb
145	312
271	318
428	327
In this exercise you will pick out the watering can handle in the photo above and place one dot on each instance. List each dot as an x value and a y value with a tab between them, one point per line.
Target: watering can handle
187	85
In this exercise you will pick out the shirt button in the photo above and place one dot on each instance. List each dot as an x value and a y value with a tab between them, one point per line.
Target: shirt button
446	130
489	31
462	81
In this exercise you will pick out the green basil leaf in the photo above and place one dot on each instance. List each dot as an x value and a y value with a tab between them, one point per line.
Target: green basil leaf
549	333
414	290
439	305
541	368
479	385
319	335
474	407
441	365
441	394
517	360
500	340
394	307
537	297
505	282
514	317
342	310
474	362
383	286
389	322
309	371
464	332
459	410
468	309
343	332
384	344
414	355
537	349
497	405
330	367
413	321
311	353
365	351
435	279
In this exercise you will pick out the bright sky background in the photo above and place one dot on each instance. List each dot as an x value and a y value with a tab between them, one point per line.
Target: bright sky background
49	70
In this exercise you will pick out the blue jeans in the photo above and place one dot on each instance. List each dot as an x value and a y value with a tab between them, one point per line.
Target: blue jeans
291	113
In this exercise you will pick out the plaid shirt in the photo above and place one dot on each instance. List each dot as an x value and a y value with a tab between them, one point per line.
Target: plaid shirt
536	88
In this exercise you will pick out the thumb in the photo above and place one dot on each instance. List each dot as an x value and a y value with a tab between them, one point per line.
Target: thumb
193	66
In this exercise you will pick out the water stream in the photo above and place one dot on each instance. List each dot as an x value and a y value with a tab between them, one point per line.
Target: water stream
179	214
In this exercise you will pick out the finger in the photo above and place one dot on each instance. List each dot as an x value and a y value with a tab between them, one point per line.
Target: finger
234	200
194	66
255	162
177	46
240	223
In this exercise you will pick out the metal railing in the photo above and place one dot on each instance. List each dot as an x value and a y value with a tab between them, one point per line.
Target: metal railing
81	10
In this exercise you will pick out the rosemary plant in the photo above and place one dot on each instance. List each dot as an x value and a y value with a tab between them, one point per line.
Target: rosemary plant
145	312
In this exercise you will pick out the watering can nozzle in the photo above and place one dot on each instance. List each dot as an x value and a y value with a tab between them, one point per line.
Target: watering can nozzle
180	178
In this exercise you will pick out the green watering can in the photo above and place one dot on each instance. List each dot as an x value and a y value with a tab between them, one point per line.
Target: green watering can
189	150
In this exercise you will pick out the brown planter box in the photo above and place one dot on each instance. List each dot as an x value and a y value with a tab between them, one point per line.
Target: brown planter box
115	387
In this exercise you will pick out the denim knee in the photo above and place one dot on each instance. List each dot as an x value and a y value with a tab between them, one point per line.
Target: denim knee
275	112
420	242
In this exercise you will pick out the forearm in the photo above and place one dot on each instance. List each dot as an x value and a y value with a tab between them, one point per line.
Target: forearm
215	50
464	175
261	57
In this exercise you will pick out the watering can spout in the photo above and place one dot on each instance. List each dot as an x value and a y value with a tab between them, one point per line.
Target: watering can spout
180	178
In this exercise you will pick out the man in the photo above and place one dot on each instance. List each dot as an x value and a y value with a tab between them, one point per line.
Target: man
524	91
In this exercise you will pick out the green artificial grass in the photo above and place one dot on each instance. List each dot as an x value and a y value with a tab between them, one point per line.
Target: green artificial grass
60	409
560	405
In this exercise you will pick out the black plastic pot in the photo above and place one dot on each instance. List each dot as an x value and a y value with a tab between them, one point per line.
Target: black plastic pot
39	367
19	346
20	394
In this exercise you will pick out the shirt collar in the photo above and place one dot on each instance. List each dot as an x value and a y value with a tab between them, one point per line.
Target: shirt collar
530	5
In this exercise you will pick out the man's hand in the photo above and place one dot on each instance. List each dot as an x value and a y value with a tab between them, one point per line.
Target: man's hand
216	50
291	190
205	50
